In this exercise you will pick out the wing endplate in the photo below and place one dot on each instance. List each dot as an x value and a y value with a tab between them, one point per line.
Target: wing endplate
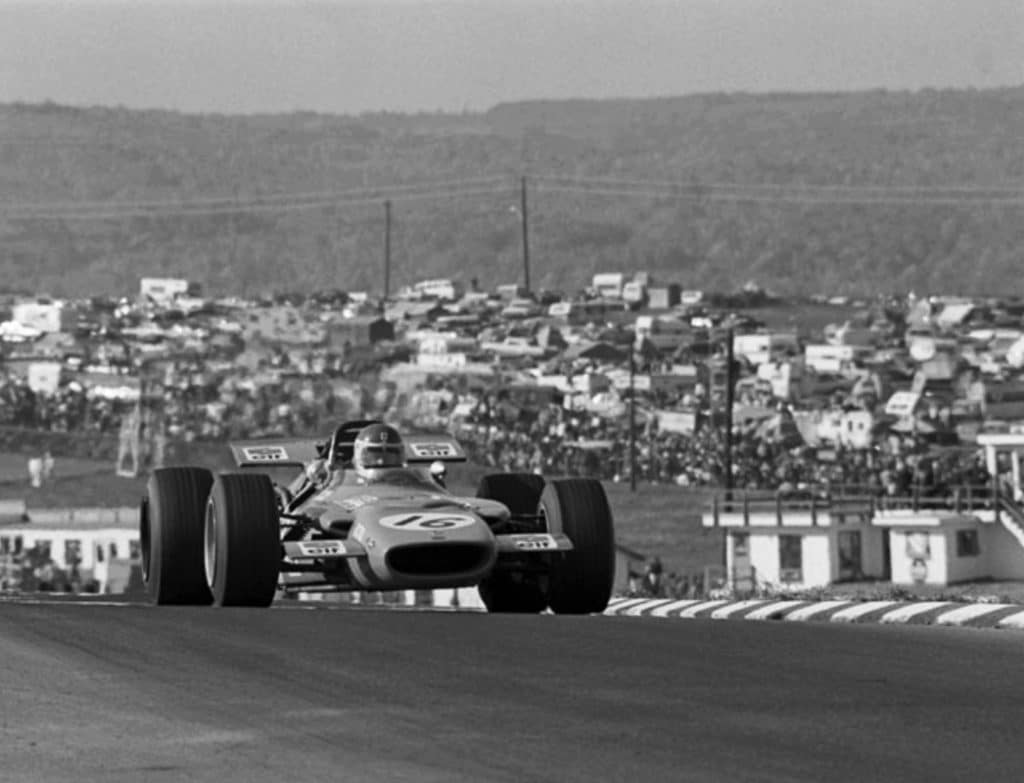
273	453
439	447
331	549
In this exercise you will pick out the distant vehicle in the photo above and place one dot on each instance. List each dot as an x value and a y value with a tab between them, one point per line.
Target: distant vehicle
369	511
509	291
515	347
441	288
608	284
522	308
585	310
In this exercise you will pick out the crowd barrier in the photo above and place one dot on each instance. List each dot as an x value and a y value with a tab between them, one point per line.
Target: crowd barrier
123	516
13	511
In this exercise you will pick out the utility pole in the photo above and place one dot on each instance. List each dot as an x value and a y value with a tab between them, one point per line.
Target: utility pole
729	384
387	252
632	418
526	233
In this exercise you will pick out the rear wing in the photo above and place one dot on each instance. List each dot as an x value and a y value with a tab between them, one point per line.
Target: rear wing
419	449
273	453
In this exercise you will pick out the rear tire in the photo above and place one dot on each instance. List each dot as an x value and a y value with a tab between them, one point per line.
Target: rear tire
510	591
242	540
581	581
171	536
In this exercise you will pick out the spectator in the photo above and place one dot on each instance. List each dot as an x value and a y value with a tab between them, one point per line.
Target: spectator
35	472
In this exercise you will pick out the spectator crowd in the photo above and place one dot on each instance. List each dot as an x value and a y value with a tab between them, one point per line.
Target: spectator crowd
238	387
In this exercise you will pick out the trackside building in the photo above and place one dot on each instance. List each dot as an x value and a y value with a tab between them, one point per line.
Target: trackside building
71	547
778	542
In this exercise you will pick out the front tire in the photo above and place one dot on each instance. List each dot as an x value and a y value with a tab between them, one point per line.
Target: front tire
519	491
581	581
242	542
503	590
171	536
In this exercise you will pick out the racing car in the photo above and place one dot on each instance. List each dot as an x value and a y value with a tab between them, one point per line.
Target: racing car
369	510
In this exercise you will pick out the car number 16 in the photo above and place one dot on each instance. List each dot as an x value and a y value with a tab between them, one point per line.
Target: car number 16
426	521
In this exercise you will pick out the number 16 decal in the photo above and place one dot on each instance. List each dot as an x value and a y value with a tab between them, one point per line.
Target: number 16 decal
426	521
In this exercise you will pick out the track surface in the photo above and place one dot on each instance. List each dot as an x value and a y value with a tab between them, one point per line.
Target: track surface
132	693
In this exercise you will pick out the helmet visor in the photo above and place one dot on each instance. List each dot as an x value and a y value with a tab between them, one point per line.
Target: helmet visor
381	455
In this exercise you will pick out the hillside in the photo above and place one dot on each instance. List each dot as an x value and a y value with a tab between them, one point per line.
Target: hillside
839	193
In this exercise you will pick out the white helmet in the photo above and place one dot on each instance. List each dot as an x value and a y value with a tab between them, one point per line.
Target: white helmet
378	446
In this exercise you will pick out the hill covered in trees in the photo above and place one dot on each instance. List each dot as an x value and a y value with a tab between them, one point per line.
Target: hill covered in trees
839	193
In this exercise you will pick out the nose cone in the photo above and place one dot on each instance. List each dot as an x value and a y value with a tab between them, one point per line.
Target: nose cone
410	548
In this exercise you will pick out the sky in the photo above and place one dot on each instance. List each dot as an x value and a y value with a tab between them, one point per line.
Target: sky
355	56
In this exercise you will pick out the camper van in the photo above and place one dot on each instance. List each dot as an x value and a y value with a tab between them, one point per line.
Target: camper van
509	291
584	310
634	293
441	288
662	333
609	284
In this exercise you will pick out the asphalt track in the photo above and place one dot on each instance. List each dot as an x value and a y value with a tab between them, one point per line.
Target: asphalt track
133	693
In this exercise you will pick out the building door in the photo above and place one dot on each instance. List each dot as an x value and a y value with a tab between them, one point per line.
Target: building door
791	559
850	564
886	555
742	569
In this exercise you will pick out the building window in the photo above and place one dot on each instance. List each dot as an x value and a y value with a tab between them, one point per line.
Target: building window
72	552
740	544
967	543
791	560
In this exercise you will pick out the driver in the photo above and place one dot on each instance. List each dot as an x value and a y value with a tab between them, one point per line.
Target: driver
377	446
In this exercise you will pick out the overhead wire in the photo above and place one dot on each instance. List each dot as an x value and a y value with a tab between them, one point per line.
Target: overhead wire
693	191
389	191
280	203
804	194
1009	190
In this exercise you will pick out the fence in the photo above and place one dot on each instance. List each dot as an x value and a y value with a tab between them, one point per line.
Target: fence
842	502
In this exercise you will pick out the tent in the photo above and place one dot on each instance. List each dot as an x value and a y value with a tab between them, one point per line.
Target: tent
596	351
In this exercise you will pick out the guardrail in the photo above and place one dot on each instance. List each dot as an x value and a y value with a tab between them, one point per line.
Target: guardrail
841	503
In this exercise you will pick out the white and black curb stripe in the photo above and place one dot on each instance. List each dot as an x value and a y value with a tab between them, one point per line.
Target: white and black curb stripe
946	613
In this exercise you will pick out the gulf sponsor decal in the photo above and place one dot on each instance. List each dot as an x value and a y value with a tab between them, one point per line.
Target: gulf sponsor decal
438	450
321	548
426	522
534	542
265	454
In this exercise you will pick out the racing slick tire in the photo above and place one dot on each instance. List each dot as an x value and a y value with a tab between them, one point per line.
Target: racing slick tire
509	591
581	580
171	536
241	541
519	491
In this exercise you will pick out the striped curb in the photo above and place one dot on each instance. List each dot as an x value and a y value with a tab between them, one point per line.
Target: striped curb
947	613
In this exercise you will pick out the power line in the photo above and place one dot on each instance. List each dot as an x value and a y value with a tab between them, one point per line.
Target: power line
1008	190
195	209
785	195
269	198
694	191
